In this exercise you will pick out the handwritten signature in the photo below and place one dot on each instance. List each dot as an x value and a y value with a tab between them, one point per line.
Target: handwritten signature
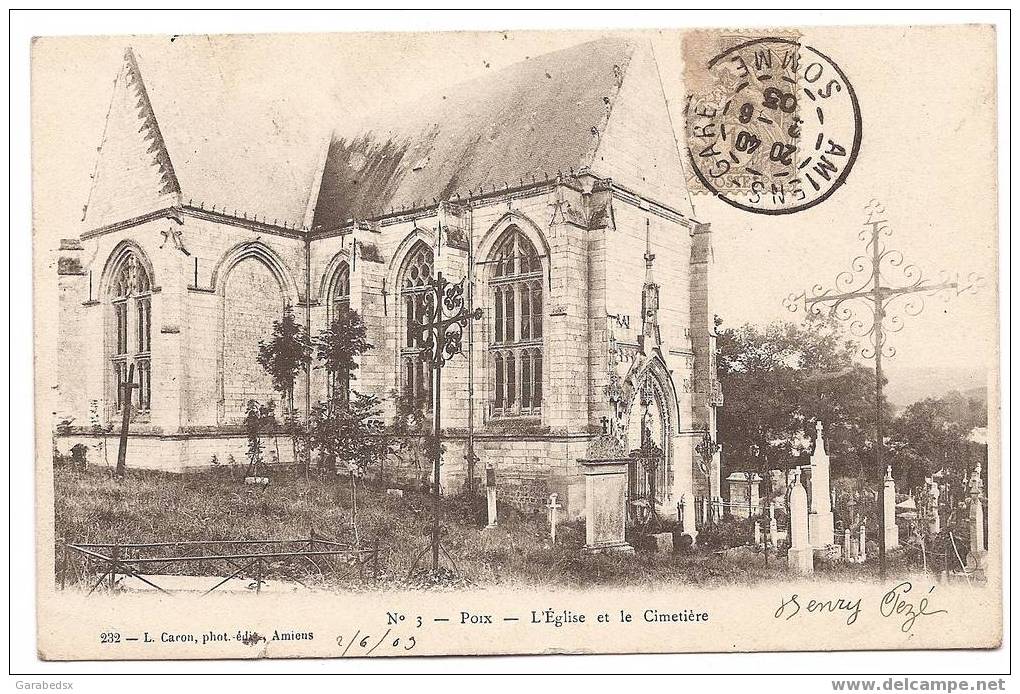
895	604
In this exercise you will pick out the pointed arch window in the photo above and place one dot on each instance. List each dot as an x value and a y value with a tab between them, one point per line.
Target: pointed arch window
415	285
131	307
516	346
339	304
340	293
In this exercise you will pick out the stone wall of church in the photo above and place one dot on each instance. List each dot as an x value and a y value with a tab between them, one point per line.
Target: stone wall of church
243	280
212	306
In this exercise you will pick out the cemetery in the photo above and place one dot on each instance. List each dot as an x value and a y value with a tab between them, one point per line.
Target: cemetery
804	530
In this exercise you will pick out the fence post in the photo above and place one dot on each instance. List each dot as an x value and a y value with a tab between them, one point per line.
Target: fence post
113	567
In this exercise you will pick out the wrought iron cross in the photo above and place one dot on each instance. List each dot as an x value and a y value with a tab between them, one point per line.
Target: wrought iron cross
442	331
126	389
886	303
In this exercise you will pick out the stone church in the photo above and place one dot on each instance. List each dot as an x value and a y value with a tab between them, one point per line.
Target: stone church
555	186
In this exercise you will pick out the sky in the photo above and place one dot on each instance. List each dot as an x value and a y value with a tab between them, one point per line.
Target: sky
928	148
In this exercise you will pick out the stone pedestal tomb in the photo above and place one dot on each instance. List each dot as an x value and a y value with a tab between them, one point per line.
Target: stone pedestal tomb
605	490
744	493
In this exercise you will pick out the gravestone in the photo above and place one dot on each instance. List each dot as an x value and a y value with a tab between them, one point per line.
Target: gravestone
847	549
757	533
820	526
744	493
862	555
490	495
892	533
801	557
932	506
977	559
663	542
553	508
715	481
605	504
773	526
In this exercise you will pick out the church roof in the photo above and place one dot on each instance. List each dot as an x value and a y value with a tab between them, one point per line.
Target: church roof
185	125
180	133
531	119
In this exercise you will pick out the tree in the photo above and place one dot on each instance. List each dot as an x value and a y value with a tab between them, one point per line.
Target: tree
339	346
347	430
349	435
257	419
286	354
781	378
929	437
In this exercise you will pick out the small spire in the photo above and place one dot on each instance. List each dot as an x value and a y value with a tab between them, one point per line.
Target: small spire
649	256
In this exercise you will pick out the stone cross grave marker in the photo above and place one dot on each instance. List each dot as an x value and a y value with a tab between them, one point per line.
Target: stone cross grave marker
820	525
977	559
553	508
892	533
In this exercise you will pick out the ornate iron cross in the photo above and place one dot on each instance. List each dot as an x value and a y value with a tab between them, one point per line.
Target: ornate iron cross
887	304
442	330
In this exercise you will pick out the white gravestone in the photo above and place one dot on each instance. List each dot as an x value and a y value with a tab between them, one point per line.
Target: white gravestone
847	555
892	533
553	508
820	526
605	505
757	533
932	511
490	495
862	555
801	558
977	559
715	481
773	526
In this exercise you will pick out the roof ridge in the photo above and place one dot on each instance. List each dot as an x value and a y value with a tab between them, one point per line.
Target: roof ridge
150	126
589	158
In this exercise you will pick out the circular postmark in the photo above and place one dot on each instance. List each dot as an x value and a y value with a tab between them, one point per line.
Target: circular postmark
776	130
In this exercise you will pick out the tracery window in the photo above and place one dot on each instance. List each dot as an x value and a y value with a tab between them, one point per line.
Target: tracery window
516	346
416	372
340	294
339	303
131	301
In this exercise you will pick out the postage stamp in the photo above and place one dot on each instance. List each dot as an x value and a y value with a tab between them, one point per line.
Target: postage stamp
776	128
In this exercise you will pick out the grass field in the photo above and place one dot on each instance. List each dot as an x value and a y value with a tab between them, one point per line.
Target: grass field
162	507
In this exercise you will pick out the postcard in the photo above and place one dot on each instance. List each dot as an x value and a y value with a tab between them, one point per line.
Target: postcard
525	342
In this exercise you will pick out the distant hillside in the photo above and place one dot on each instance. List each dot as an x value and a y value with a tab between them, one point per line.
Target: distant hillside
908	384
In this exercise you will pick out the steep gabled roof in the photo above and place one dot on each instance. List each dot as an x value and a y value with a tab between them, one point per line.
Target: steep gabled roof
189	126
185	126
551	113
